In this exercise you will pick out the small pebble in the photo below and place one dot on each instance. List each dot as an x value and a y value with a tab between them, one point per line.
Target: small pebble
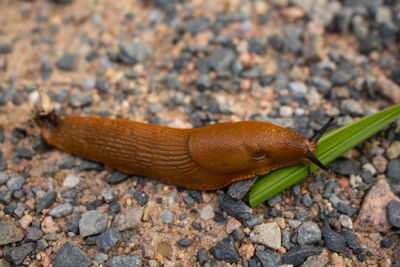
16	255
298	254
393	210
333	240
124	261
61	210
15	183
268	234
67	62
225	251
128	220
106	240
92	222
109	195
141	197
167	216
71	256
184	242
352	242
308	233
70	181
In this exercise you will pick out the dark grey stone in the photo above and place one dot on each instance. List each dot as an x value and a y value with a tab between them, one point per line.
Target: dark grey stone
87	165
132	53
102	85
225	251
202	256
67	163
394	213
79	101
196	26
5	196
73	224
106	240
298	254
184	242
269	258
253	221
333	241
307	201
61	210
16	255
15	183
393	170
171	81
5	48
196	195
22	152
67	62
340	78
71	256
352	242
141	197
117	177
32	233
221	59
46	202
308	233
388	242
238	190
203	81
346	209
124	261
92	222
344	166
235	208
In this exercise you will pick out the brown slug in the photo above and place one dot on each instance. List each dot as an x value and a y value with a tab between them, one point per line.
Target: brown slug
204	158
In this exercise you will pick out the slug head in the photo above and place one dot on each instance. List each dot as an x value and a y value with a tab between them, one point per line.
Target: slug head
251	148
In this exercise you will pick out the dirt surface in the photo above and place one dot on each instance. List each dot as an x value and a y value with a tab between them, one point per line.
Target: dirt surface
293	63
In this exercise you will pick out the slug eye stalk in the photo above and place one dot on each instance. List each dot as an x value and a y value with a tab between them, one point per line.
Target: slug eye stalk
309	155
321	131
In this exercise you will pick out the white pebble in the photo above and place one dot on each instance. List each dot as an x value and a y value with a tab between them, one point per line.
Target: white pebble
285	111
299	112
346	221
368	167
70	181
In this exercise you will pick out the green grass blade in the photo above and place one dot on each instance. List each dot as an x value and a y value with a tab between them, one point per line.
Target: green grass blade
333	144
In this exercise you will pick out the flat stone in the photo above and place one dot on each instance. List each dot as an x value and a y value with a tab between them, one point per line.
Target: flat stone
133	52
92	222
373	214
61	210
46	201
71	256
333	241
239	189
269	258
394	213
124	261
225	251
106	240
207	212
70	181
15	183
10	233
128	220
308	233
67	62
393	171
16	255
298	254
268	234
235	208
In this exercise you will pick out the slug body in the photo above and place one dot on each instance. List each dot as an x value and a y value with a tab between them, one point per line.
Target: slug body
205	158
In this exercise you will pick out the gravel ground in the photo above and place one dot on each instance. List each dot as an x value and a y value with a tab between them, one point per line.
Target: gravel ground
188	64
